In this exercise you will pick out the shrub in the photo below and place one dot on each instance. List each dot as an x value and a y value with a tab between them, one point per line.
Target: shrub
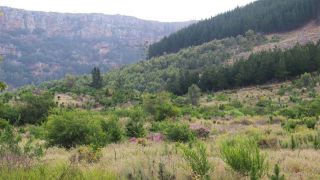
3	123
194	94
316	141
72	128
135	129
290	124
16	153
276	175
35	108
10	113
38	132
310	122
197	159
243	156
160	106
113	129
179	133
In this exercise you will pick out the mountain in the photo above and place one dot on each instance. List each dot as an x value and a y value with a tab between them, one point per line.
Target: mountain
263	16
208	64
40	46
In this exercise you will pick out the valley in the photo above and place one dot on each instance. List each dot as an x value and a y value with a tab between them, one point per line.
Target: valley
239	104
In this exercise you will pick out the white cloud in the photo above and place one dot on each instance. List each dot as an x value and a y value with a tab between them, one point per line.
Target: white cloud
161	10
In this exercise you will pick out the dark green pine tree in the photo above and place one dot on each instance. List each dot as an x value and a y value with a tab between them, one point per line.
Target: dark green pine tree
96	78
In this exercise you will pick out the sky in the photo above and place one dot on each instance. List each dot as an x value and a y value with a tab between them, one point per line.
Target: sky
159	10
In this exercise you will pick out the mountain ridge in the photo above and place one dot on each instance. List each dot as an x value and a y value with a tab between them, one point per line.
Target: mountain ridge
40	46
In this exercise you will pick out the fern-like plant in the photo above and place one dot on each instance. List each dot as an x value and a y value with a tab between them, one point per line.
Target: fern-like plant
243	155
276	175
197	159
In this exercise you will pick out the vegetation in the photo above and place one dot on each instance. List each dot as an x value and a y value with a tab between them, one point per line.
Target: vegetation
286	15
197	160
243	155
178	116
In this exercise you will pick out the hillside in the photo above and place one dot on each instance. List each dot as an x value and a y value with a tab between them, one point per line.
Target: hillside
176	72
235	108
41	46
263	16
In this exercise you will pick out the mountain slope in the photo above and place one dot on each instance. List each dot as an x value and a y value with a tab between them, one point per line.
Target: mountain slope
176	72
40	46
265	16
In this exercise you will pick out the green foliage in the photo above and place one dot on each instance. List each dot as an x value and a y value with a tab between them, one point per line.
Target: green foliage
96	78
197	159
3	123
290	14
260	68
135	126
276	175
291	124
113	129
160	106
179	133
194	94
14	152
72	128
35	108
243	156
310	122
305	80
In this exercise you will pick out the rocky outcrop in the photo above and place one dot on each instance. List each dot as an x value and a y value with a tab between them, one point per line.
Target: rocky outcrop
71	43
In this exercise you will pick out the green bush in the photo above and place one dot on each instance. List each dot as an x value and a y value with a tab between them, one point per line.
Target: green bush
197	159
310	122
38	132
113	129
3	123
72	128
10	113
243	156
14	152
35	108
135	126
291	124
160	106
179	133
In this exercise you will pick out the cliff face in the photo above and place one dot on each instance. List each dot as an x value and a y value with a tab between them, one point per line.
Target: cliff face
40	46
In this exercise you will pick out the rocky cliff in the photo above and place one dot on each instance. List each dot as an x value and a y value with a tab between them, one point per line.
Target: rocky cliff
41	46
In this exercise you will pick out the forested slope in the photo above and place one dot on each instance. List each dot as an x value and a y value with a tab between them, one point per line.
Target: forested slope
265	16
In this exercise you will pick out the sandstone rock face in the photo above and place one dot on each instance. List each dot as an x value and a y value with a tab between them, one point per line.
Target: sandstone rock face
40	46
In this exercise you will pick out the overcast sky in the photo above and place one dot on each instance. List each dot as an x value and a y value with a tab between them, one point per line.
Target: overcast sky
160	10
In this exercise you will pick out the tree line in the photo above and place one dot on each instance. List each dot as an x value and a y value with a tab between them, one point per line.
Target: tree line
262	67
264	16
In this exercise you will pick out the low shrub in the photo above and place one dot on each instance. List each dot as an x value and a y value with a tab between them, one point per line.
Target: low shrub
179	133
71	128
3	123
291	124
197	159
243	155
135	129
310	122
276	175
14	152
113	129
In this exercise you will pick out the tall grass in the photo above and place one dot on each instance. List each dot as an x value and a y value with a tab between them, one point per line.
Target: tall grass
61	172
